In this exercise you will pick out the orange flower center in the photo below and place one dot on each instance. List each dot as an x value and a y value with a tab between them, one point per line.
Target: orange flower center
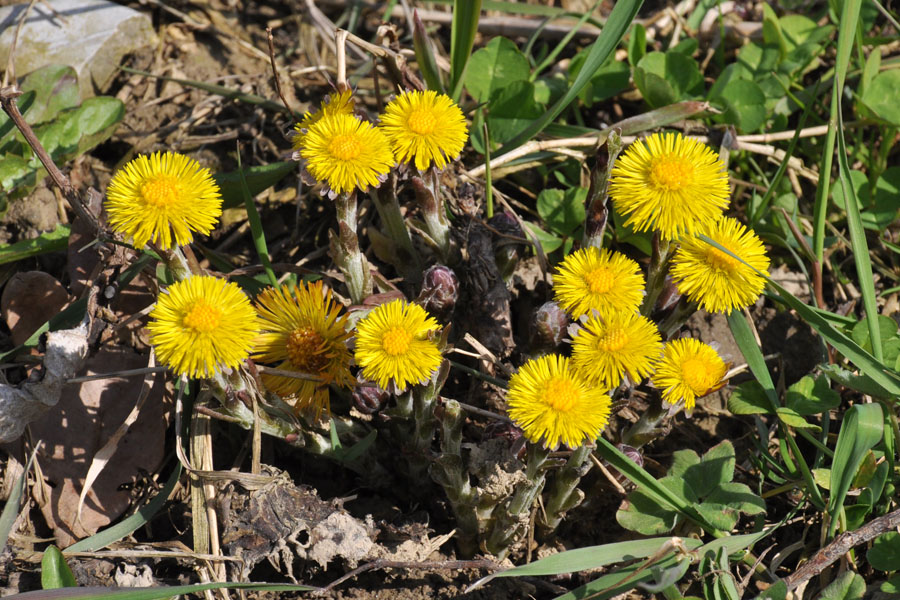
396	341
422	122
718	259
613	340
671	172
304	349
561	394
202	317
599	280
698	375
345	147
161	190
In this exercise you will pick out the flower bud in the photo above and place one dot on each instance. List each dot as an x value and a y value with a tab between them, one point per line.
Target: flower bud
368	398
548	326
440	291
506	248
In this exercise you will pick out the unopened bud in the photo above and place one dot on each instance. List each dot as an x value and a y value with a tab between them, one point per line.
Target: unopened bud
507	242
440	291
368	398
549	326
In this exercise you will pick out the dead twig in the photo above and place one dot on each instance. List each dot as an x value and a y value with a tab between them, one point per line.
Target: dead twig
840	546
271	42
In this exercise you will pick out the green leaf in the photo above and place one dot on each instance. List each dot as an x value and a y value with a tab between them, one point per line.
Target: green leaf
56	89
511	108
812	396
617	24
666	78
847	586
494	67
646	515
259	178
744	105
749	398
822	478
881	94
887	331
549	242
716	468
55	573
777	591
884	554
425	56
891	586
464	27
562	211
861	429
723	517
738	496
746	341
611	78
637	44
626	578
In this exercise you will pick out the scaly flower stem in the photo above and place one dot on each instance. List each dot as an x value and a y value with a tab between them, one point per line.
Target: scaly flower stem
656	274
434	213
509	524
385	198
645	430
564	494
678	317
345	250
597	212
177	263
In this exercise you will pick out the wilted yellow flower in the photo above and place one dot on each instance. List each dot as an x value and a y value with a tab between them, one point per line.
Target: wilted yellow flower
689	370
201	324
338	103
554	405
424	127
604	349
591	279
393	345
669	183
304	331
163	198
716	281
346	152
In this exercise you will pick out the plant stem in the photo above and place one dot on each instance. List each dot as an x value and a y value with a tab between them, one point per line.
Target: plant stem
345	250
644	430
385	199
656	274
565	494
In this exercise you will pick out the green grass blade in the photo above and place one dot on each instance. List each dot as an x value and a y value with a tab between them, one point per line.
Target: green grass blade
746	341
259	178
425	56
55	573
127	526
151	593
551	57
466	14
256	228
53	241
861	429
617	24
627	578
650	486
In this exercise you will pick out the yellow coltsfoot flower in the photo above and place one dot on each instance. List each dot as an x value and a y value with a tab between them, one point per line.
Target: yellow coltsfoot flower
689	370
202	324
424	127
713	279
346	152
554	404
604	350
304	331
162	198
337	103
598	280
669	183
393	345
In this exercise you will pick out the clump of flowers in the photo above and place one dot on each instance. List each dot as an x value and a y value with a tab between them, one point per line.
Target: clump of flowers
304	331
598	280
554	404
715	280
669	183
395	345
163	198
604	350
424	128
689	370
201	325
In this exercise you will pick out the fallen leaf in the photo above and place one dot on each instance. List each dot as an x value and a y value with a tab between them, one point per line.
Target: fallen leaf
29	300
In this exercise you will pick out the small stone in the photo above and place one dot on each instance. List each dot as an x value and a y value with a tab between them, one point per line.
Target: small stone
92	39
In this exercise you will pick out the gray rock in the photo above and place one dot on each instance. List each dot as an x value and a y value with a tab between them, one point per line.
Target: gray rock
92	36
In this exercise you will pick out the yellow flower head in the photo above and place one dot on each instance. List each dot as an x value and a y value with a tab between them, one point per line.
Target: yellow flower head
304	331
605	349
338	103
591	279
715	280
160	197
425	126
553	404
346	152
393	345
202	324
689	370
669	183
